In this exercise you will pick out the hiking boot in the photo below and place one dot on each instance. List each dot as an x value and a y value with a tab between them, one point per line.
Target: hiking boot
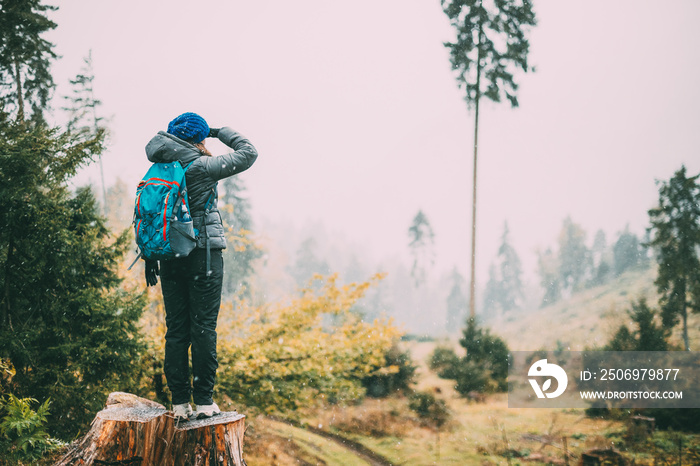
204	411
182	412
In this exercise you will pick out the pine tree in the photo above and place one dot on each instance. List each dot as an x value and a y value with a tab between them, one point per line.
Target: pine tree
511	274
504	290
492	292
483	369
600	265
648	336
82	104
548	269
491	45
601	273
486	352
457	303
374	303
600	243
675	230
574	256
626	251
25	59
242	251
67	328
83	113
422	247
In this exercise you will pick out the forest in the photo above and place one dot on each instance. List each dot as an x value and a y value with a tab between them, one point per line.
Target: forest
333	357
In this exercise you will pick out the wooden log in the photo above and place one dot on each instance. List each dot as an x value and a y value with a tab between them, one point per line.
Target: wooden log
136	431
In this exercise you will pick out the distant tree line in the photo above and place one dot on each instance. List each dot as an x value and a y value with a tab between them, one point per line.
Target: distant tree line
574	266
571	267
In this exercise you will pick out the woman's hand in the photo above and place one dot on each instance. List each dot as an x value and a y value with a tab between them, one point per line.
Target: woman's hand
152	272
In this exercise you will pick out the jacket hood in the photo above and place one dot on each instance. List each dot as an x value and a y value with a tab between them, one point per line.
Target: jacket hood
164	147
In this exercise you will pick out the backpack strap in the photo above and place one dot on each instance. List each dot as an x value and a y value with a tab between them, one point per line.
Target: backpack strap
207	209
135	260
183	232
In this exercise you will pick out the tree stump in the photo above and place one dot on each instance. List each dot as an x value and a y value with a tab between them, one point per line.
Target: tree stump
136	431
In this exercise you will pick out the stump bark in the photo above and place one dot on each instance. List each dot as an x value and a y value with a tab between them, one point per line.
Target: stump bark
136	431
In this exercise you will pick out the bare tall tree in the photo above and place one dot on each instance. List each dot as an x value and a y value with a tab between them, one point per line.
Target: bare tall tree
83	112
491	45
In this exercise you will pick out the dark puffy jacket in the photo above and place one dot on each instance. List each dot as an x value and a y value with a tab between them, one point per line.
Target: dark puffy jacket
203	175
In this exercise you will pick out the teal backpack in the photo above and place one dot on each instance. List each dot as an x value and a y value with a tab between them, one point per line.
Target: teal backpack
162	222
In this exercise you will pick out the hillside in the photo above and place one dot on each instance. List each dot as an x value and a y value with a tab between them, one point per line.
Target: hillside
586	319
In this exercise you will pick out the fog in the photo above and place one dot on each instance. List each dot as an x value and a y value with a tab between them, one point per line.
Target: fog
359	122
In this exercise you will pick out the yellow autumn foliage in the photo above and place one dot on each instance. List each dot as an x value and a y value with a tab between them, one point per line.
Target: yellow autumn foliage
314	348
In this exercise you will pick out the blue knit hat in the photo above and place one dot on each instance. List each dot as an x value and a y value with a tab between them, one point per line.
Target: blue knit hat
190	127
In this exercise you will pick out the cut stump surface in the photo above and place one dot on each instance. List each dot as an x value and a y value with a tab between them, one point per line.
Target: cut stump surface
136	431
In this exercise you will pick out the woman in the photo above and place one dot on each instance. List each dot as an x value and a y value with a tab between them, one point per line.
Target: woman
192	285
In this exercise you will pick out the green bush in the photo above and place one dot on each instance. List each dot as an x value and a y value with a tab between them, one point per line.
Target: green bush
23	436
280	359
484	368
474	377
432	411
488	352
445	362
397	378
678	419
648	334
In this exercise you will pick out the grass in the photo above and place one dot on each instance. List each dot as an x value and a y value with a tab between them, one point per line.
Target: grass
479	433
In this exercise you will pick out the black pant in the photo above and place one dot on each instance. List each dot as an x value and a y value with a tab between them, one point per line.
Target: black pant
192	299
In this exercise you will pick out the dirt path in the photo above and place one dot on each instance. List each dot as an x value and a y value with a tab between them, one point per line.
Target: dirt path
373	458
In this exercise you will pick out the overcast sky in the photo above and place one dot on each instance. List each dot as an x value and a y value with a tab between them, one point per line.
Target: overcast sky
359	122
